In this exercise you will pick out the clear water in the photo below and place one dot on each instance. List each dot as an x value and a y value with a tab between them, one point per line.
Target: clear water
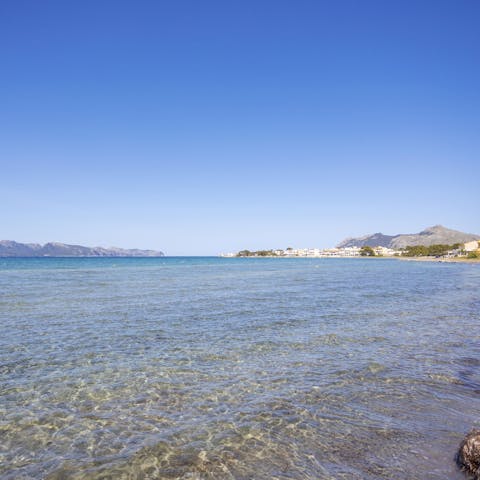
208	368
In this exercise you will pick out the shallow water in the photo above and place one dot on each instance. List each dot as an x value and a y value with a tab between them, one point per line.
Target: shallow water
208	368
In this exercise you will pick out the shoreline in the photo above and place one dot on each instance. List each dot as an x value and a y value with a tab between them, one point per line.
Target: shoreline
407	259
441	260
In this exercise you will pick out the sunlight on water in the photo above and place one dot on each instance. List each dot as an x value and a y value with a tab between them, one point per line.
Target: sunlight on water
236	368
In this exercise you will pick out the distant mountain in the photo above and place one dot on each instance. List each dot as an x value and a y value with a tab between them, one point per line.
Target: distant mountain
430	236
374	240
9	248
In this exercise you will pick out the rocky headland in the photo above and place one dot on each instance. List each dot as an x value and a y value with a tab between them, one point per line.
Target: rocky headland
10	248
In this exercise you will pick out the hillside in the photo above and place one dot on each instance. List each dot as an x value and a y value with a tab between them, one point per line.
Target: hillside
9	248
430	236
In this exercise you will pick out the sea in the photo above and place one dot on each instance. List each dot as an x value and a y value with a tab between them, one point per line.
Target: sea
236	368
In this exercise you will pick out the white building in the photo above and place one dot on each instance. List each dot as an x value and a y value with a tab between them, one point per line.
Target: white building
384	251
472	246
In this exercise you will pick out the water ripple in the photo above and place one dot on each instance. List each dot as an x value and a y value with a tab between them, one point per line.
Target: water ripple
236	369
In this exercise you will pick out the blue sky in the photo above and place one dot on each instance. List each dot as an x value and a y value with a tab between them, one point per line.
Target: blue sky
199	127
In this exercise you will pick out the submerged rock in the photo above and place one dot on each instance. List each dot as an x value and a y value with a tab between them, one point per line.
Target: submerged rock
468	456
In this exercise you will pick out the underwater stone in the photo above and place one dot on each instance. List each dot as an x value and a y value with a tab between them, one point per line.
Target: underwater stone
468	456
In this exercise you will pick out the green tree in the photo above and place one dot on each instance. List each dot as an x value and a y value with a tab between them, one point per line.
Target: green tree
367	251
416	251
439	250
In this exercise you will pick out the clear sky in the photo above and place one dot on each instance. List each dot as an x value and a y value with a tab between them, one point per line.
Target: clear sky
197	127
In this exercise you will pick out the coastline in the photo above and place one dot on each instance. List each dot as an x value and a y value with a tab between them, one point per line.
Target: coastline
407	259
441	260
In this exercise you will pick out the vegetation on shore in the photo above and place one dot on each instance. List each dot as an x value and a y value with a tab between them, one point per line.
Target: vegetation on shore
438	250
456	250
367	251
257	253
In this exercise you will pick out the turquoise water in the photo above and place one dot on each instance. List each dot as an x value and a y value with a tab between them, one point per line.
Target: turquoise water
209	368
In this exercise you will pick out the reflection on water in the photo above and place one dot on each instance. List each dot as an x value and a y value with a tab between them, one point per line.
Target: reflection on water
236	368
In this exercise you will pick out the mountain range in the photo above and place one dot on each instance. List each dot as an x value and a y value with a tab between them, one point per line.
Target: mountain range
9	248
435	235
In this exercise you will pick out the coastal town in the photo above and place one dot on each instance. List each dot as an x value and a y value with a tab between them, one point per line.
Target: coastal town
459	250
312	252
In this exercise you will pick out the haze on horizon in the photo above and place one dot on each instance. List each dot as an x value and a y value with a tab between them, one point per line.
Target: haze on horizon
200	127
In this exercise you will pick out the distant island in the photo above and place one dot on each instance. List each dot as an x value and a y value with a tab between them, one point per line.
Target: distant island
434	242
9	248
